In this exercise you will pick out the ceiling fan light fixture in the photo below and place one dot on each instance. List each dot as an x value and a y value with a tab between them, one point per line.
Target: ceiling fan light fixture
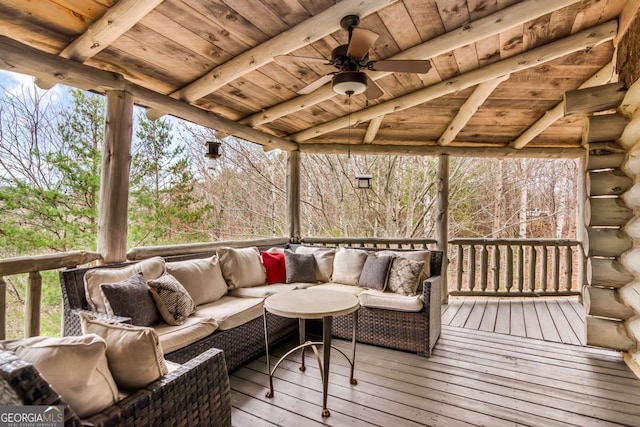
349	83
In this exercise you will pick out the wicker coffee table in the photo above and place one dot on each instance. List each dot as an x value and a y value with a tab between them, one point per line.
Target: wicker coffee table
313	304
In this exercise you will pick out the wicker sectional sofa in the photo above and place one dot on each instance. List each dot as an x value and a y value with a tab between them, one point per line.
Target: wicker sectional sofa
195	394
202	360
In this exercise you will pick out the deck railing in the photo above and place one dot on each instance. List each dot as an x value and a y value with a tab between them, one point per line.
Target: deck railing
33	266
515	267
370	242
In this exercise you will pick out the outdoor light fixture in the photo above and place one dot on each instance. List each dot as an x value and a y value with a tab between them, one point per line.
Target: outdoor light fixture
213	152
349	83
213	149
363	181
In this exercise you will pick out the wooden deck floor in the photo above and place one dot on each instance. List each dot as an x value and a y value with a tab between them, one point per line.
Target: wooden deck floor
473	378
558	319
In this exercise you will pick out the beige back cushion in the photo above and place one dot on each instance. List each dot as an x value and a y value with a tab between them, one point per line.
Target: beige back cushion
324	261
414	256
242	268
151	268
76	368
347	266
202	278
133	352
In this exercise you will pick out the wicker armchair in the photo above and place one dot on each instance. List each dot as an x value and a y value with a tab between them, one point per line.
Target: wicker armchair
195	394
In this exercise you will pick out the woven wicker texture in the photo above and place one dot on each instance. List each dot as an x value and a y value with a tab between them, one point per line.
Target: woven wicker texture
195	394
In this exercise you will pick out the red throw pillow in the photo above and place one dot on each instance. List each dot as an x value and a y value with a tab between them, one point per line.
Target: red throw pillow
274	265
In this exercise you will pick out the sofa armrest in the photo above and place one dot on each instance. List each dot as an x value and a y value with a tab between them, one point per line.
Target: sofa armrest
432	291
197	391
72	320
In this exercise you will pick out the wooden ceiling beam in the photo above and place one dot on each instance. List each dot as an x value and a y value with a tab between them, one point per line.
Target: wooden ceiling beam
372	129
586	39
603	76
469	108
116	21
309	31
469	33
18	57
436	150
627	16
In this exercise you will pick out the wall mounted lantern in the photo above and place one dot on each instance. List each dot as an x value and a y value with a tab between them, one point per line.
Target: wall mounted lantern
363	181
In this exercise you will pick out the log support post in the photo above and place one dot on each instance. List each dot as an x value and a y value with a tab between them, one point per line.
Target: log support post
32	305
3	309
293	196
114	181
442	220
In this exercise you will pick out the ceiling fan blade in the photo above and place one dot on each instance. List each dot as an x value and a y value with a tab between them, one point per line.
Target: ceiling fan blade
361	42
373	90
315	85
401	66
285	59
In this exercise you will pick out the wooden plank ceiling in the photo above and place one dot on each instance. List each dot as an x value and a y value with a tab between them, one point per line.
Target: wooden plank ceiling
514	59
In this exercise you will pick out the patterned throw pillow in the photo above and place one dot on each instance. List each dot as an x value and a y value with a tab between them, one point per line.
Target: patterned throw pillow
404	275
131	298
300	267
172	299
375	272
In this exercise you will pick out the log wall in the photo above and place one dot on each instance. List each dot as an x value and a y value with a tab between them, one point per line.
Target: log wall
612	237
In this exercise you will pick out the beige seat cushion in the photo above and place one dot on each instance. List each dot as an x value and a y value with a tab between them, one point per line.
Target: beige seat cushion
347	266
76	367
174	337
390	301
350	289
262	291
300	285
151	268
324	261
133	352
230	311
202	278
242	268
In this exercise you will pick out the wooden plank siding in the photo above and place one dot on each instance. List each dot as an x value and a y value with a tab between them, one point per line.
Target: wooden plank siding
558	319
472	378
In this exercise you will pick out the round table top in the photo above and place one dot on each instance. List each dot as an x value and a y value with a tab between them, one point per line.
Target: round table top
311	303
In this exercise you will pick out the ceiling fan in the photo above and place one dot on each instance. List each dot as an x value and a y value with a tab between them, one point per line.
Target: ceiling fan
353	57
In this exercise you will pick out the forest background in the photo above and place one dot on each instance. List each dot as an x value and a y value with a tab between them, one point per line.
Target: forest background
50	157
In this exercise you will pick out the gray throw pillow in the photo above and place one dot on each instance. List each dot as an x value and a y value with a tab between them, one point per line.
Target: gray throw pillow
375	272
131	298
404	275
299	267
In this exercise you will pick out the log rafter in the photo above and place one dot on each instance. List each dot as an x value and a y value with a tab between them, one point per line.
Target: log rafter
603	76
586	39
313	29
24	59
372	129
469	108
469	33
116	21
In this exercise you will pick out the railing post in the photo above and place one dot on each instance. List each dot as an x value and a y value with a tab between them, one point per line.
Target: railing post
32	305
472	267
496	268
532	268
569	268
520	268
460	268
509	274
543	268
484	267
556	268
3	309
